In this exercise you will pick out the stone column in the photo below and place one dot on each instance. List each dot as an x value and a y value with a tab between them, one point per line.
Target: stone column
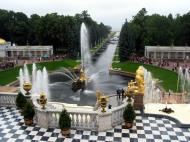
154	55
138	101
169	55
184	55
104	121
162	55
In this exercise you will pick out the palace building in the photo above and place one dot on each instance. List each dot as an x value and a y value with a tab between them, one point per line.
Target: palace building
167	52
6	50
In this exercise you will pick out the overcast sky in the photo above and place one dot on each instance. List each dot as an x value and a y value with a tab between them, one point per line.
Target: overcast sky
110	12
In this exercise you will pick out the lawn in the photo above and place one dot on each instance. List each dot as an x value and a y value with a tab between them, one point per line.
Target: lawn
168	78
10	75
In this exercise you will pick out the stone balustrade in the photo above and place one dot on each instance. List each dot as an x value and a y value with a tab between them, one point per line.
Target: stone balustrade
84	118
87	120
8	99
117	115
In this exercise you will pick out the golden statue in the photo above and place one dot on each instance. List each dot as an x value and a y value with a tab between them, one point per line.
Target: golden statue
82	76
101	100
43	100
137	86
27	86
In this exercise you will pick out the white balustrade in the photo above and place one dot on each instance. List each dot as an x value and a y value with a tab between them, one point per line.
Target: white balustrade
117	115
8	99
87	120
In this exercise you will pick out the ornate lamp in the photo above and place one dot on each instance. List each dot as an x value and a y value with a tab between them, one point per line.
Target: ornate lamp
27	87
43	100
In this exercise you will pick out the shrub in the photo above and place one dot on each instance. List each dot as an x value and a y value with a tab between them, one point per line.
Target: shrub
28	111
64	120
20	100
129	113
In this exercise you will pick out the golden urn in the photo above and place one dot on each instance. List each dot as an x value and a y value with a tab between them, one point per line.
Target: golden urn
103	103
43	100
27	86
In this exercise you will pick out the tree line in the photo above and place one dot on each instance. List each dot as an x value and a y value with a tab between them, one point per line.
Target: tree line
63	32
153	30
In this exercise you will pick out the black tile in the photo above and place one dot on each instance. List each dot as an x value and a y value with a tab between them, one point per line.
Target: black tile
30	137
125	135
179	134
60	139
40	133
79	132
94	133
157	137
102	138
163	133
148	131
109	134
173	138
75	140
15	136
117	130
134	140
141	135
44	138
117	139
85	137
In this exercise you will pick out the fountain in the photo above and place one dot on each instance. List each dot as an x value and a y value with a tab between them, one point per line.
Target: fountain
39	81
80	88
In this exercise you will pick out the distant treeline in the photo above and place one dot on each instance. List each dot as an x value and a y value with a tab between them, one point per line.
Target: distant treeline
63	32
153	30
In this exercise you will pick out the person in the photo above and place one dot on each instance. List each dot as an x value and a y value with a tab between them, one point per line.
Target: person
122	93
109	106
118	93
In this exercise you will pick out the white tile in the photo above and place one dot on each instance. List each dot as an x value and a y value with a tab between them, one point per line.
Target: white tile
68	140
33	133
171	133
29	128
5	130
19	132
181	138
93	137
140	140
47	134
37	138
109	139
86	132
102	134
117	134
149	136
165	137
77	136
132	135
156	132
8	135
11	140
52	139
23	136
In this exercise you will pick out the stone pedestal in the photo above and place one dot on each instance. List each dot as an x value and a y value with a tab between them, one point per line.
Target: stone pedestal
138	101
104	121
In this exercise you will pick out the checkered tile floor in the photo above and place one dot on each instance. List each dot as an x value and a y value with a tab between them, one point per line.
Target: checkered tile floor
146	129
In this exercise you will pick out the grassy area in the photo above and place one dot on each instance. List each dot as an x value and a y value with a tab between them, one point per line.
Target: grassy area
168	78
116	55
10	75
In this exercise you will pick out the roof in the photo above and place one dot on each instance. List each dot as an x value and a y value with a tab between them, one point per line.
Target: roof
168	48
2	41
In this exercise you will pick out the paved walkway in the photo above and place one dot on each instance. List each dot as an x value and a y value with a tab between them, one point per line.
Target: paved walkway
145	129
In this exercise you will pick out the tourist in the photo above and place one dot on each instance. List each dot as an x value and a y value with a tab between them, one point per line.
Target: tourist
109	106
122	93
118	93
